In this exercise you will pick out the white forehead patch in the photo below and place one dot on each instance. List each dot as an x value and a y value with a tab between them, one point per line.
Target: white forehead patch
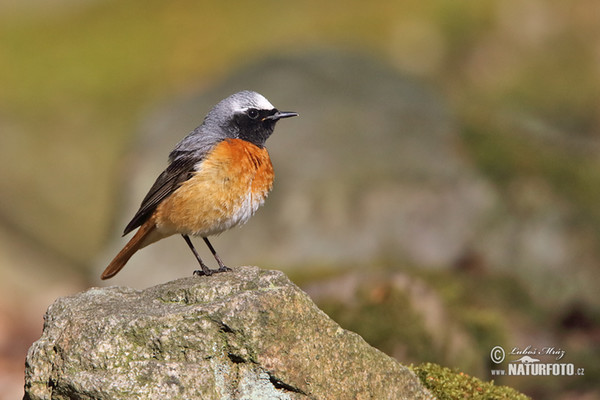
247	100
262	103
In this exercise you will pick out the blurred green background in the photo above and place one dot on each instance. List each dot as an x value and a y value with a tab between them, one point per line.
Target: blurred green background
518	86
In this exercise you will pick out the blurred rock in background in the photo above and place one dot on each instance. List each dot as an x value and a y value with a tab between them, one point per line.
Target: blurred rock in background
374	169
371	169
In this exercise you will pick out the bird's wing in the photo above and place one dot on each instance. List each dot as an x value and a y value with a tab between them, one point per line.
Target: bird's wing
179	170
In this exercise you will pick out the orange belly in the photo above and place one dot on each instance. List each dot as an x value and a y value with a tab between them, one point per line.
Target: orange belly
227	188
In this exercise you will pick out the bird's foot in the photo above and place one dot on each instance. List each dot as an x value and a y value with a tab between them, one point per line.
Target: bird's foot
205	271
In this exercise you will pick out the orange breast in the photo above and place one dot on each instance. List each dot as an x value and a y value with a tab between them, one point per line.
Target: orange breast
229	185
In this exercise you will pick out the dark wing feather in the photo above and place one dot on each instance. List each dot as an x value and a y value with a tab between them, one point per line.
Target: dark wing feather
178	171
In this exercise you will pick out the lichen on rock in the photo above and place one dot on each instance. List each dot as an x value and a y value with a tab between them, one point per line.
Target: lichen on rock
247	334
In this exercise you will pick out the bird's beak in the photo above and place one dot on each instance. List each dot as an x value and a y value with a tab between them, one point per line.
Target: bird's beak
282	114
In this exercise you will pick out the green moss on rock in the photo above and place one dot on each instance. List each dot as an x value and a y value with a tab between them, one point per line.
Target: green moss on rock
447	384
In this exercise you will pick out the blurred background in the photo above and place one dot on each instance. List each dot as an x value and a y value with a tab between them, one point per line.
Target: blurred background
438	193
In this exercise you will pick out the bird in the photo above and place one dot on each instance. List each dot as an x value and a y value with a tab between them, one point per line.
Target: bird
216	178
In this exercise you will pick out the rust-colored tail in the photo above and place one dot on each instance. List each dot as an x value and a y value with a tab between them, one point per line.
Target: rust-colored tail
139	240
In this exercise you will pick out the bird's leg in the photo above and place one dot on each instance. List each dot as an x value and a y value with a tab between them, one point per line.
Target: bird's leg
205	270
222	267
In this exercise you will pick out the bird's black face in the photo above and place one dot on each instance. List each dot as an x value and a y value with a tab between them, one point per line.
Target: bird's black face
256	125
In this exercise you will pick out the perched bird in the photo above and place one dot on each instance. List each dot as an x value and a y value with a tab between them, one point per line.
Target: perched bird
217	177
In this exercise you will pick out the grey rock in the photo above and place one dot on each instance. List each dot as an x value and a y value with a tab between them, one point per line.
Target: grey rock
374	168
248	334
371	168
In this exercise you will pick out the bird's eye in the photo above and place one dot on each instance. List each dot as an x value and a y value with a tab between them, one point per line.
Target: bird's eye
252	113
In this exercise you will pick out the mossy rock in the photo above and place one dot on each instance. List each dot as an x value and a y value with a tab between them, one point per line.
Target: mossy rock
447	384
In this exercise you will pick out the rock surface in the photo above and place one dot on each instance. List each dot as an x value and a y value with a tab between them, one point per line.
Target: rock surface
241	335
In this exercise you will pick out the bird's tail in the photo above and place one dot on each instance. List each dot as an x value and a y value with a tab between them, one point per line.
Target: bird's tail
142	238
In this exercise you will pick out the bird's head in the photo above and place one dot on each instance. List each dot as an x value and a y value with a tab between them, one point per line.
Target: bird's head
246	115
